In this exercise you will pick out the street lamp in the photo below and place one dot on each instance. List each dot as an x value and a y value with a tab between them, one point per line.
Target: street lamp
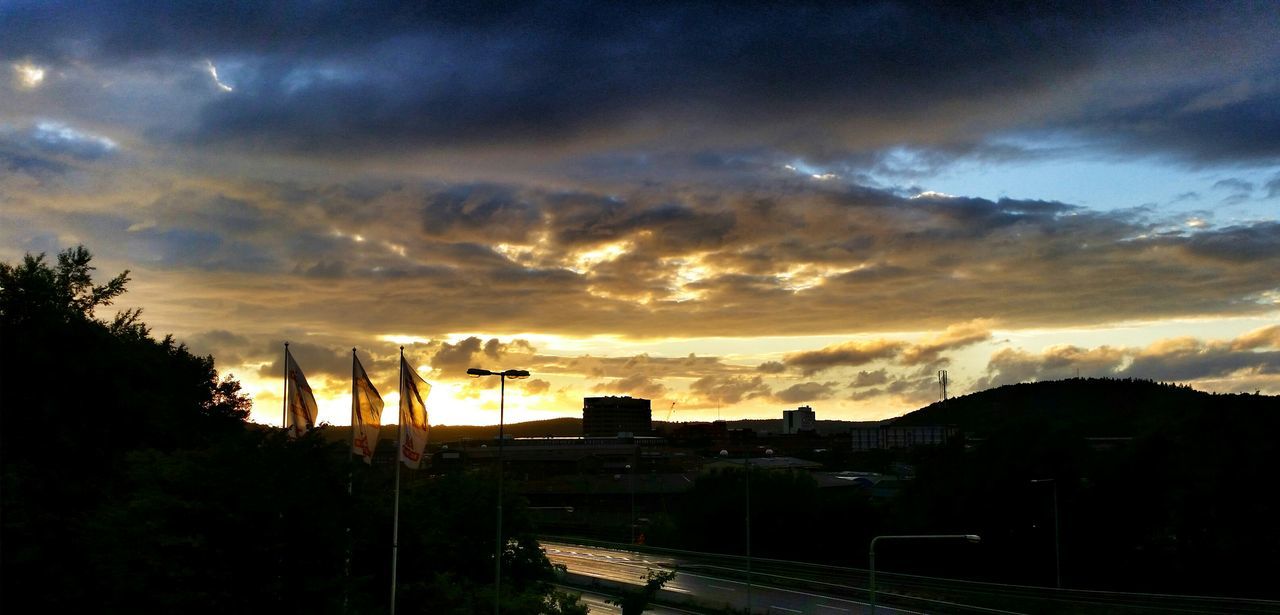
502	400
871	555
631	486
746	465
1057	552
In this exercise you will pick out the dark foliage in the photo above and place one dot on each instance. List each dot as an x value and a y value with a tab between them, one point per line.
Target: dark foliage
132	483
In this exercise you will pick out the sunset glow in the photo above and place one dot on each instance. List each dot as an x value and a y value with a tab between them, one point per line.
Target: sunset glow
795	215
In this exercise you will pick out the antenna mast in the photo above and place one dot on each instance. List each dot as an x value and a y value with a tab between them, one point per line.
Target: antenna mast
942	383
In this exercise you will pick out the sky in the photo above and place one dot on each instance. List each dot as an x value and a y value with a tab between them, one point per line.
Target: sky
729	209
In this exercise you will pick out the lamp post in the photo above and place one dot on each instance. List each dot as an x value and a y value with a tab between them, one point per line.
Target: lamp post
1057	551
631	486
746	465
871	555
502	400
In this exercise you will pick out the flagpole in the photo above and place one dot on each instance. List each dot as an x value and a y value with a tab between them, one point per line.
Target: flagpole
284	410
346	588
395	523
353	418
284	424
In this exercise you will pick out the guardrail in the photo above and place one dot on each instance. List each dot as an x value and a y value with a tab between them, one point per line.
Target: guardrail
942	595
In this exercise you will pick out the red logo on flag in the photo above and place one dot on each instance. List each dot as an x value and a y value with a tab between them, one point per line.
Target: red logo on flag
409	453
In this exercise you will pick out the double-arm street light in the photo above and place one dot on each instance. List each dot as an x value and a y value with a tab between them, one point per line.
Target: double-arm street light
871	555
746	465
631	486
1057	552
502	400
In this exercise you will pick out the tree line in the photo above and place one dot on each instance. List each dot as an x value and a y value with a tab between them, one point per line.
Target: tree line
132	481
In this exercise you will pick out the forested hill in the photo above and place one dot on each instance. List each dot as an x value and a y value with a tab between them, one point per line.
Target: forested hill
451	433
572	426
1097	407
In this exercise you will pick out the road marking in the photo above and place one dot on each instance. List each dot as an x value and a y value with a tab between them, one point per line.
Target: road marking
783	608
721	587
834	608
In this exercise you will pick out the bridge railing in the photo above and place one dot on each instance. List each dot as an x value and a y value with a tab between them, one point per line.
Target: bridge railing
936	594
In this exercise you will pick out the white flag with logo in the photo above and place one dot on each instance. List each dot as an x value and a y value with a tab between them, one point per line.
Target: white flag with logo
301	409
366	411
413	415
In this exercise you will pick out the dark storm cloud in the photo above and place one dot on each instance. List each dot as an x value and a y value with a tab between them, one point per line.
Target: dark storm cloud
715	262
772	367
1236	131
1255	353
848	354
776	257
925	354
716	390
1234	185
314	359
651	367
812	78
634	385
453	360
492	212
1254	243
911	390
47	147
1011	365
535	386
866	379
805	392
229	348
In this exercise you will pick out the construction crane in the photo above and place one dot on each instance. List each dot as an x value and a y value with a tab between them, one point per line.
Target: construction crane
670	410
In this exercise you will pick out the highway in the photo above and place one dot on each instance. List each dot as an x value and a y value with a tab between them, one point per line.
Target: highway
715	591
598	602
797	587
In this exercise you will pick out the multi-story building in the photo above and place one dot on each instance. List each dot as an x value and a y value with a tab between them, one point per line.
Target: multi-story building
798	420
883	437
613	416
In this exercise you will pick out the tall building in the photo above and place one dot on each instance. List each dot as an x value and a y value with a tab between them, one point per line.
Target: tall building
611	416
887	437
798	420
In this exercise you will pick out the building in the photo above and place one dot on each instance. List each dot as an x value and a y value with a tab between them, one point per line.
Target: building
798	420
887	437
613	416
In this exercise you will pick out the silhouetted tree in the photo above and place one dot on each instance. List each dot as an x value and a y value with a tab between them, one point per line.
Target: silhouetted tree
634	600
132	483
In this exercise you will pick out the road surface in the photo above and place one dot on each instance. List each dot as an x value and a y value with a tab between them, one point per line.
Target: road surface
629	567
794	587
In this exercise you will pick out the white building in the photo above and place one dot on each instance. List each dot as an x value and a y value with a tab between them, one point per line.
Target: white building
798	420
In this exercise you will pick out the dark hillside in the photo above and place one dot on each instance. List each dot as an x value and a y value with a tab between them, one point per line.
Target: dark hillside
1091	407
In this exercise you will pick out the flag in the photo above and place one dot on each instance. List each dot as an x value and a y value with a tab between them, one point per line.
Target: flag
413	415
366	412
302	411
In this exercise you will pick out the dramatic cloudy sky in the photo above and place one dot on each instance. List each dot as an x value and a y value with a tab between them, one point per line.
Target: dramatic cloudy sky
735	209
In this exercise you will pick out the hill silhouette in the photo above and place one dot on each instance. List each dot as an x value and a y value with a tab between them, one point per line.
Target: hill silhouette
1097	407
572	427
